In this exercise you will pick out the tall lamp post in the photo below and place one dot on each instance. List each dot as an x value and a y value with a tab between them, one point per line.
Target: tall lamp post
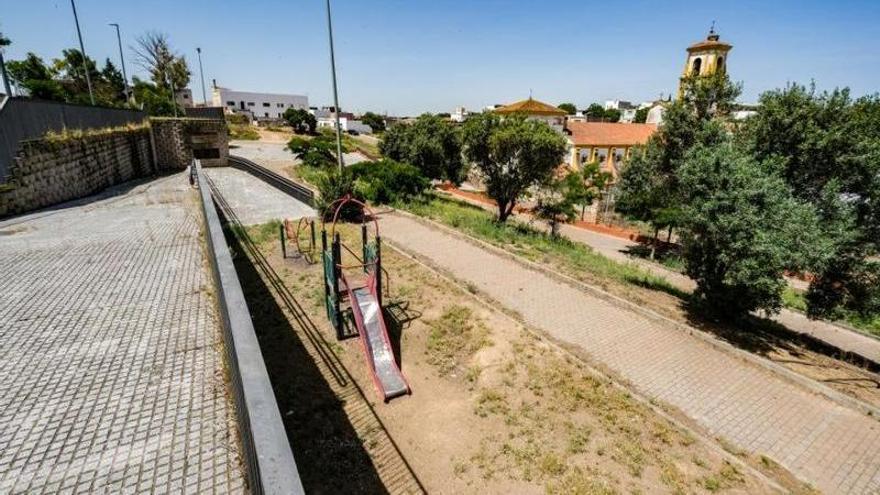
202	76
4	42
121	59
82	51
335	92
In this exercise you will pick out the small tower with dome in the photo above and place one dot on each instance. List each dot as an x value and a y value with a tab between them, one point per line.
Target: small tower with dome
706	57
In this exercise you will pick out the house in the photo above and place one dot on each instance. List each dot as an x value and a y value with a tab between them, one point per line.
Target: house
609	143
459	115
538	110
258	106
347	123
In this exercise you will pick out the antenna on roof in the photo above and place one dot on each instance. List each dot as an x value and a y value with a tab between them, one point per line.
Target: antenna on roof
712	29
530	93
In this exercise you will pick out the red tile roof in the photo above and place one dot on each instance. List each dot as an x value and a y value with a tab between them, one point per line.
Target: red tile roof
609	133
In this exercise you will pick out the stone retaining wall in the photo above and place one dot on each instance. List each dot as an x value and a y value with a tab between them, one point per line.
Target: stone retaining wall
179	140
45	172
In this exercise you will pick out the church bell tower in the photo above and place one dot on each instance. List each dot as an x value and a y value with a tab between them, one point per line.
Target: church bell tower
706	57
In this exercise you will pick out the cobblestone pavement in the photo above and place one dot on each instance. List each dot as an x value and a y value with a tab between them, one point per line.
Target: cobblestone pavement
253	200
111	366
833	447
615	248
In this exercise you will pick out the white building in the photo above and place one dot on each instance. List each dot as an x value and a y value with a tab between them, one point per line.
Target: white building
459	115
345	123
259	106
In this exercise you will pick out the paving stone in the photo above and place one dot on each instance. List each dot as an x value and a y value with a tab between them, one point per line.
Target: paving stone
111	372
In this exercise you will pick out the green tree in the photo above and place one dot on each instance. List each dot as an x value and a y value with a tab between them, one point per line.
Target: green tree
827	148
375	121
742	229
612	115
595	111
155	55
33	75
568	108
513	154
319	151
431	144
641	115
155	100
585	186
649	188
301	120
554	205
334	184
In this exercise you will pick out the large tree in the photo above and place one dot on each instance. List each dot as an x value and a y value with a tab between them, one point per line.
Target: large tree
513	154
827	148
155	55
568	108
375	121
301	120
431	144
649	189
742	229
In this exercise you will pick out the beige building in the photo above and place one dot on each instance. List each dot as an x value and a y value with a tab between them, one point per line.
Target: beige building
609	143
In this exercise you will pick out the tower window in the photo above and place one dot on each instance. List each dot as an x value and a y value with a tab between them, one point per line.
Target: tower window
720	64
698	63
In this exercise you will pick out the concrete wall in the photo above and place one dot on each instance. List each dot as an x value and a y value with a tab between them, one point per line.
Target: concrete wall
177	141
260	105
50	171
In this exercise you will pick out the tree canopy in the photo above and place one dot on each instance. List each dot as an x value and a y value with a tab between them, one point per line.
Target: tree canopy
375	121
431	144
301	120
513	154
742	228
568	108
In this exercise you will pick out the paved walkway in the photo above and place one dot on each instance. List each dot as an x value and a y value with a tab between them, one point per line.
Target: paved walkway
253	200
111	366
833	447
615	248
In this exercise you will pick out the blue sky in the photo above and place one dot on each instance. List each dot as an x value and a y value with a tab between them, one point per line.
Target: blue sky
410	56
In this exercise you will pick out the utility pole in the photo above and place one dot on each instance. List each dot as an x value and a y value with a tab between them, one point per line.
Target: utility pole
202	76
335	92
4	75
121	59
82	51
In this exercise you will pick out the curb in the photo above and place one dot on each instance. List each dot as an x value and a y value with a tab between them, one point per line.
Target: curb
791	376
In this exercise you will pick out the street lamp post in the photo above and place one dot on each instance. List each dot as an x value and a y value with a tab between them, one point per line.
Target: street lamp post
335	92
121	59
82	51
202	76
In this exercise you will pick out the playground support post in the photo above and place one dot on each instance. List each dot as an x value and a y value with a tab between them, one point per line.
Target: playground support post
337	258
312	227
283	246
378	269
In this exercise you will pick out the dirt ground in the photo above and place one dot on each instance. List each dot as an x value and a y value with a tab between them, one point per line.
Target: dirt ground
494	408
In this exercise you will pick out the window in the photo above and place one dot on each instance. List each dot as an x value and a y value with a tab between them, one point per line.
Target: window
266	114
185	96
250	103
279	105
230	103
698	63
267	104
720	64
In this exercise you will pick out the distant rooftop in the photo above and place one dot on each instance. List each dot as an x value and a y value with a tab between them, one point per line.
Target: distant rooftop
531	107
609	133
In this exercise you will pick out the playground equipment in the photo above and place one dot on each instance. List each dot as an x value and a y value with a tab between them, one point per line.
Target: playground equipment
364	298
286	232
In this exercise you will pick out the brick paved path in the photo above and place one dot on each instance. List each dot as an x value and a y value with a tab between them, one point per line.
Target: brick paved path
833	447
111	372
615	247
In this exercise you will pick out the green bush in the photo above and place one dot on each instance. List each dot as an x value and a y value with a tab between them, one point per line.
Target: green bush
333	185
387	181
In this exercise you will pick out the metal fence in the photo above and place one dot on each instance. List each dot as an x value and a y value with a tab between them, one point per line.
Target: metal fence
24	118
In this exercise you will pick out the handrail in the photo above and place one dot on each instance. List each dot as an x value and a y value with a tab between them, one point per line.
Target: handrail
267	454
